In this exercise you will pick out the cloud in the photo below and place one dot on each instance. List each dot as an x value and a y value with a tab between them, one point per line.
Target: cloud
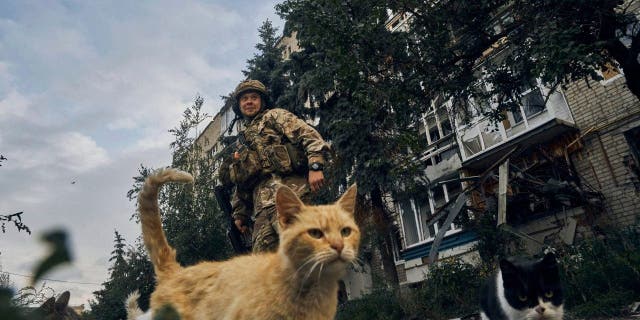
76	152
13	104
88	92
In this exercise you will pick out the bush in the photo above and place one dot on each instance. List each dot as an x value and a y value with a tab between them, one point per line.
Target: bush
451	290
379	305
602	276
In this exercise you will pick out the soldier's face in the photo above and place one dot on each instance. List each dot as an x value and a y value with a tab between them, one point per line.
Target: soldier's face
250	104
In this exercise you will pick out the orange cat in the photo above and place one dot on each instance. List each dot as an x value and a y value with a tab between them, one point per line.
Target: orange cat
299	281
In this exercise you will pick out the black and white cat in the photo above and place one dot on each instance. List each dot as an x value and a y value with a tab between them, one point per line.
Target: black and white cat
523	289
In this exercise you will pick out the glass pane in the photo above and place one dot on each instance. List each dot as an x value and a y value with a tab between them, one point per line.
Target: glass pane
446	126
433	128
472	146
517	116
438	197
533	102
424	212
491	138
453	189
434	134
409	223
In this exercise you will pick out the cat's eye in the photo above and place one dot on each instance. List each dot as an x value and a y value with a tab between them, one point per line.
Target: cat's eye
522	298
548	294
345	232
315	233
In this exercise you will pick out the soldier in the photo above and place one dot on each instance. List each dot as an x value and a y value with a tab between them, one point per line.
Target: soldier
276	148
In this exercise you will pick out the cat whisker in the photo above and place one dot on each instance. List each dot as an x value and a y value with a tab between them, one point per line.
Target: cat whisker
303	282
356	262
320	272
307	261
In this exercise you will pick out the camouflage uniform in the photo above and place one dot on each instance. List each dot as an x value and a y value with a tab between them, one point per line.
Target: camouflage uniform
265	162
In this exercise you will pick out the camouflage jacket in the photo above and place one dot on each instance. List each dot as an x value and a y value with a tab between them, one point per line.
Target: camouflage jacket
264	163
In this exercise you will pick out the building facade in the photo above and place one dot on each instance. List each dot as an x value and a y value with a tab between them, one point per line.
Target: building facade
569	163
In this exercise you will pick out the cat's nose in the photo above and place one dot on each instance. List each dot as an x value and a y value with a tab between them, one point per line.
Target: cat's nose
338	246
540	309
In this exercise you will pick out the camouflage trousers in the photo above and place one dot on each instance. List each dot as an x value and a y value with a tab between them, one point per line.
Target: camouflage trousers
265	231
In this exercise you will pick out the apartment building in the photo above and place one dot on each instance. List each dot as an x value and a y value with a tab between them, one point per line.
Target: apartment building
569	163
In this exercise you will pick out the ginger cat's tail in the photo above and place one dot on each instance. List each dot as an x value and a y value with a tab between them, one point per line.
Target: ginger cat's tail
161	254
131	305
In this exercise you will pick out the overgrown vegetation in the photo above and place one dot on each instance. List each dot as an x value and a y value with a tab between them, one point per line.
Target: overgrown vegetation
601	277
378	305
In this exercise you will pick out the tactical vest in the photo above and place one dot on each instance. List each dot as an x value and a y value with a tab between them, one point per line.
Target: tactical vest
263	151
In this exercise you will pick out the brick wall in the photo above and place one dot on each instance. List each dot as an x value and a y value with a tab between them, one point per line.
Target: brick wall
608	110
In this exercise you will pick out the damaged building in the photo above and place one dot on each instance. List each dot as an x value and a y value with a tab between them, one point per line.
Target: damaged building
557	169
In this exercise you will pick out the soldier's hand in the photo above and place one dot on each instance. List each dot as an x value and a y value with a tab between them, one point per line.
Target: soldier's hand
240	225
316	180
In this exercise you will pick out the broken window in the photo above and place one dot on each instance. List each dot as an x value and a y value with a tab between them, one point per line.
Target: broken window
532	103
434	134
409	222
437	121
472	146
446	126
438	197
424	213
414	211
491	138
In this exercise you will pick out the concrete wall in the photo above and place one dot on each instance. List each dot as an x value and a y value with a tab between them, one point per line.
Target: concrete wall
358	281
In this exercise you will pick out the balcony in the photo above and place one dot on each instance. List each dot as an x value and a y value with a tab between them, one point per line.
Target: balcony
482	142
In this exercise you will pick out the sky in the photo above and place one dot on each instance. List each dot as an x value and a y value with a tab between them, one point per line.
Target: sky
88	92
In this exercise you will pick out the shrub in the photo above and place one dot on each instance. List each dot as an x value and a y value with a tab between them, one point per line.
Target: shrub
379	305
451	290
602	275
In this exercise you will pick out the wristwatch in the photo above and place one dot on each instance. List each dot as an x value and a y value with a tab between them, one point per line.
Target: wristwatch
316	166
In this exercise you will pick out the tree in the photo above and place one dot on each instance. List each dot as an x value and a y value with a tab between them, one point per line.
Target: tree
109	301
192	221
15	218
492	50
31	295
266	64
358	75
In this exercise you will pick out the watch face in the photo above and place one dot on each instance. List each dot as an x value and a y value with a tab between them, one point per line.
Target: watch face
315	166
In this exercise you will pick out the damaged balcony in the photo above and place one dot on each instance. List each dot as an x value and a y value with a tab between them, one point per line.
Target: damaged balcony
536	193
536	122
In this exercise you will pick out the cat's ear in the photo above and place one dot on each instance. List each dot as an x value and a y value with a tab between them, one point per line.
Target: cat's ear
62	302
507	267
288	205
48	307
549	264
348	200
549	260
